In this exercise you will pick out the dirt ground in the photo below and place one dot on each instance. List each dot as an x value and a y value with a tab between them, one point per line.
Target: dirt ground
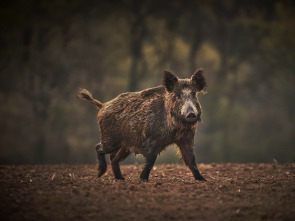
232	192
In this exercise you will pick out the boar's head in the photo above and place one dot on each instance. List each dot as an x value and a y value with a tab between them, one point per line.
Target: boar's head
181	96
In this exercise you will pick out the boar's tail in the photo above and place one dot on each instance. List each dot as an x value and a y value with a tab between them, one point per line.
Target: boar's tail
86	95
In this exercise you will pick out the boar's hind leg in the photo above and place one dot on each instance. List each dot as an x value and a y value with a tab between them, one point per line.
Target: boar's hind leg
189	159
102	164
115	159
150	161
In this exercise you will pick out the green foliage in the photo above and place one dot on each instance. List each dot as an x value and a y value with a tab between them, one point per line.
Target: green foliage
50	49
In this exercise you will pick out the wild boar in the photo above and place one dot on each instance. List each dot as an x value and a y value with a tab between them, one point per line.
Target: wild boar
146	122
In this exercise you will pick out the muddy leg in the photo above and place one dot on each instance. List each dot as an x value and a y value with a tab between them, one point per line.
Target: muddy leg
189	159
102	164
150	161
115	159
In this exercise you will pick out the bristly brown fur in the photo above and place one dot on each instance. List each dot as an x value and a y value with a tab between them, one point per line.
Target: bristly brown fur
146	122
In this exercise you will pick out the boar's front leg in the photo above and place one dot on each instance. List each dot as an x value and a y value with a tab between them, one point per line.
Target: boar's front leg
115	159
186	149
150	161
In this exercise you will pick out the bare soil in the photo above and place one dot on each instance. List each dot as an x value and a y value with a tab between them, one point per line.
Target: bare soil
65	192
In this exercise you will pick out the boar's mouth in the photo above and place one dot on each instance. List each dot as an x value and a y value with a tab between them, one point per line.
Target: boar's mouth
191	119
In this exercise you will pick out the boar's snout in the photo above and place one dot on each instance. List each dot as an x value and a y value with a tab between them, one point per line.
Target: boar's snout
191	116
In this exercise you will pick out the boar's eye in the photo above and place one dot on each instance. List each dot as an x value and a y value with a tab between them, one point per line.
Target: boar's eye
178	96
193	93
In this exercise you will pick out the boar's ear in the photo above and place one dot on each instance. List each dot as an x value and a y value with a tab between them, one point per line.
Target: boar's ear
199	81
169	80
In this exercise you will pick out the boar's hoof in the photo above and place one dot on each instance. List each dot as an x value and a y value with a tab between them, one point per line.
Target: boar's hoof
119	178
200	178
101	171
99	174
143	178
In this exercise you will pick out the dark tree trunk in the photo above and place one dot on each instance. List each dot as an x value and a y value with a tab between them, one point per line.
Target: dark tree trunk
138	32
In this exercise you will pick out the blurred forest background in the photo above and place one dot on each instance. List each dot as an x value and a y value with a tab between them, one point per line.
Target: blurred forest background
51	48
